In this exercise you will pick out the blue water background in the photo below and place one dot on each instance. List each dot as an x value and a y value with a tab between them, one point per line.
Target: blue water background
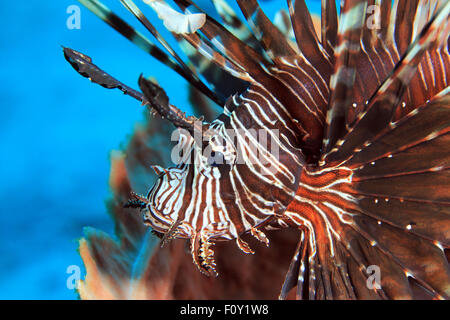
56	133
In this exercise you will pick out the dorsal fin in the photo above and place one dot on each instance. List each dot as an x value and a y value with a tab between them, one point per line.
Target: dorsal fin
273	41
234	24
229	45
200	43
329	25
222	81
341	83
305	35
214	67
105	14
406	11
194	80
385	13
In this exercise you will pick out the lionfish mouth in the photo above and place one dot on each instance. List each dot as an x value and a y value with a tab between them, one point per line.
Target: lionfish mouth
359	114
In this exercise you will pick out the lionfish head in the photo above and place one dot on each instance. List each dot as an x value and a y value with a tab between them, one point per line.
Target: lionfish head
180	203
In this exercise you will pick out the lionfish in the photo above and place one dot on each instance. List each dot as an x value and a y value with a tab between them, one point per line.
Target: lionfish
359	114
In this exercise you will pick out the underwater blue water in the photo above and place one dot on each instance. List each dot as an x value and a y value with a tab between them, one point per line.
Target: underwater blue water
56	132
